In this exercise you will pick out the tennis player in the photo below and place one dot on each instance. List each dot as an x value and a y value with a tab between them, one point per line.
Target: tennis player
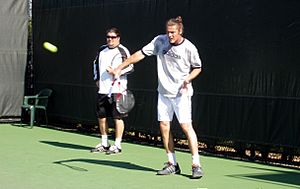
178	63
110	56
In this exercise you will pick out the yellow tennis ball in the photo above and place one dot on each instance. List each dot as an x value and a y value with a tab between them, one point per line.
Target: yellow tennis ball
50	47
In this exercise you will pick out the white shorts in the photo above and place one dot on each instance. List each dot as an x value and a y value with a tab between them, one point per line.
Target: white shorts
181	105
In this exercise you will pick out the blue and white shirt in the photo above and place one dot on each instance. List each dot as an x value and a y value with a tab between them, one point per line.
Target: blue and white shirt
174	63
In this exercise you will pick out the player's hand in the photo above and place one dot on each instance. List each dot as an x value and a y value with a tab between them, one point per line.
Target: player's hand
184	88
110	70
116	72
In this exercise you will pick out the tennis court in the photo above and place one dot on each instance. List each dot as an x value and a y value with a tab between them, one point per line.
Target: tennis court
46	158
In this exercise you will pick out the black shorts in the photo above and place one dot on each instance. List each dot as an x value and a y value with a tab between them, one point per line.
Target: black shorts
106	107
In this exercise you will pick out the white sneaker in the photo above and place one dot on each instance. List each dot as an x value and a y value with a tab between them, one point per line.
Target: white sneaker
99	148
113	150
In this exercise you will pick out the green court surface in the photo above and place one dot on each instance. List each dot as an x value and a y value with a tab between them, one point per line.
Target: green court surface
42	158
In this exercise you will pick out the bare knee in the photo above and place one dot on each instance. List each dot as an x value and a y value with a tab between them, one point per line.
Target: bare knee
186	127
164	126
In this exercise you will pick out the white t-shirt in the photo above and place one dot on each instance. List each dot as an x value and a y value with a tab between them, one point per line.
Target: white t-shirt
174	63
112	57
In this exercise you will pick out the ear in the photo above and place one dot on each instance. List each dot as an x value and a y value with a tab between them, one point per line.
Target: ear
180	31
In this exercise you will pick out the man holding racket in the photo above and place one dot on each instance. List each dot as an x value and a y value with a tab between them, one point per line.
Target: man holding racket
178	63
110	56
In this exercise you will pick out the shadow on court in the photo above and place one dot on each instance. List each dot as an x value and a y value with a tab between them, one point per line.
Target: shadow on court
280	177
66	163
66	145
119	164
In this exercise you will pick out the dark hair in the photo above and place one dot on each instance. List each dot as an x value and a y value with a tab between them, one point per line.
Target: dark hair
175	21
114	30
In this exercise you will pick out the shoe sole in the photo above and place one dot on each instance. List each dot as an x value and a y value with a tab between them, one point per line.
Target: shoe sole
108	153
196	177
97	152
175	173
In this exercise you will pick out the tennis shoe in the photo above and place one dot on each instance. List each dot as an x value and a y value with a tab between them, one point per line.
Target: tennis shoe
169	169
113	150
197	172
99	149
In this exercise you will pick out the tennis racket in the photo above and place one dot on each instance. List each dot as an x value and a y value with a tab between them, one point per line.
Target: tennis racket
116	60
125	100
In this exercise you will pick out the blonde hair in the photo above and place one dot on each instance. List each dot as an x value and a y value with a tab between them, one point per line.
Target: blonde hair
176	21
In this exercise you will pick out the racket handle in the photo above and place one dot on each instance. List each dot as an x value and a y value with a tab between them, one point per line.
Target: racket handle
112	85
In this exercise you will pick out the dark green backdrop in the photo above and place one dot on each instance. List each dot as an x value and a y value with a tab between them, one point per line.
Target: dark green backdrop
249	90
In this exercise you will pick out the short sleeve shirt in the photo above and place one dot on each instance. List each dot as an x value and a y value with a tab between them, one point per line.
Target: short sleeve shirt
174	63
111	57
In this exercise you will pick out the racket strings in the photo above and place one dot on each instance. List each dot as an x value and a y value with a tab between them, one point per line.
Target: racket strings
119	94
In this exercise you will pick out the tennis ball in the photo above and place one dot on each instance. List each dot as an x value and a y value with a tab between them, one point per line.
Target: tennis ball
50	47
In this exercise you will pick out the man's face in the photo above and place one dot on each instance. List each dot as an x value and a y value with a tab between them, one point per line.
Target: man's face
174	34
112	39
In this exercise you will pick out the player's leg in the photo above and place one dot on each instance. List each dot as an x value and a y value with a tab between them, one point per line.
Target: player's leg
167	136
119	130
119	123
165	115
103	131
189	132
103	126
183	111
103	146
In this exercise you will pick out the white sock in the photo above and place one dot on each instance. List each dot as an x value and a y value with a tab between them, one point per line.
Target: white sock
118	142
172	158
104	140
196	160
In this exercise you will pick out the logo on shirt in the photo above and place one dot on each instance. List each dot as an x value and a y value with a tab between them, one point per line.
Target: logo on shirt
171	54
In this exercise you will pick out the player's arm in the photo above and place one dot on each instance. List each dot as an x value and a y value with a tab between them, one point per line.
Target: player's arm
194	73
96	69
136	57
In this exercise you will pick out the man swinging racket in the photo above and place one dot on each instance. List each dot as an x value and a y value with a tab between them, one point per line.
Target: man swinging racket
178	63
